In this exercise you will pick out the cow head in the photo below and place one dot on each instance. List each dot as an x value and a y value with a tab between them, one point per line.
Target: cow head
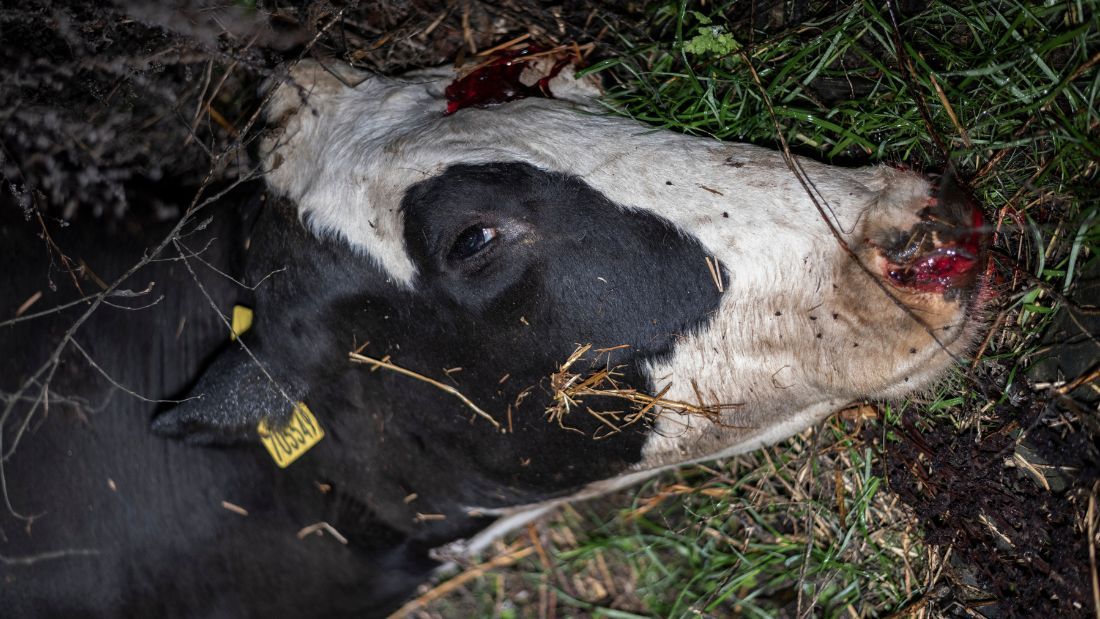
514	251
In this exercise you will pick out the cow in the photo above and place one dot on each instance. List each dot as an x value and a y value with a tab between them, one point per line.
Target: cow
487	310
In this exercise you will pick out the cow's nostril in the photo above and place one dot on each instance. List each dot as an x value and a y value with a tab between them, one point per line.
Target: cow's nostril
942	251
943	269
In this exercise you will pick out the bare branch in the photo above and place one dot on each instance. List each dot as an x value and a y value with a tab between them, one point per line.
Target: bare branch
229	326
104	374
215	269
47	556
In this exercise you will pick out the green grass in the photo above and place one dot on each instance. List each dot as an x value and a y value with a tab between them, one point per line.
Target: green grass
718	540
1005	92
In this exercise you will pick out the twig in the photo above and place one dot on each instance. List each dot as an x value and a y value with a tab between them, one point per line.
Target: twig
1084	379
233	507
49	367
505	45
52	310
210	101
796	169
810	533
1091	517
215	269
378	363
909	71
64	306
715	269
47	556
26	305
228	325
318	527
104	374
196	117
508	557
950	111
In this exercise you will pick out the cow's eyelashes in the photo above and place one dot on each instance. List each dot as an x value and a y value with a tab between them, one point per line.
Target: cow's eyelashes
471	241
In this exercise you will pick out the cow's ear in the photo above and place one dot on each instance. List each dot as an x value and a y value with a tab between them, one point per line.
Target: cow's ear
231	398
299	122
308	85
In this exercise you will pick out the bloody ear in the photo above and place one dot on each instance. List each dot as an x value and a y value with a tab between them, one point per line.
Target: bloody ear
231	398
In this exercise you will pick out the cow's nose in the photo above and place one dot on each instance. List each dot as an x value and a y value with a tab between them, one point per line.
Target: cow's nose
944	251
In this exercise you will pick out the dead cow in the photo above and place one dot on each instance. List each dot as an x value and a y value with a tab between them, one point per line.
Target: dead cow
545	302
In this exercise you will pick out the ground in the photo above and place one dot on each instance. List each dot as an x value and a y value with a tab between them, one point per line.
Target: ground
977	499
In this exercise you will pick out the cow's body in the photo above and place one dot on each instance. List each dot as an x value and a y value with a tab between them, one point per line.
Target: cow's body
126	523
497	241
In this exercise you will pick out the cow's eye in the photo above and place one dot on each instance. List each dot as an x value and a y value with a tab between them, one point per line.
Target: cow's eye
472	241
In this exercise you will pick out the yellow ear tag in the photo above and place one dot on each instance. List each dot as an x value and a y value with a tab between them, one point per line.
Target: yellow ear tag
288	443
242	321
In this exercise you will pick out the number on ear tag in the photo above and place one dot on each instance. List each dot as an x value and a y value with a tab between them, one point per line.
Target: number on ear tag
288	443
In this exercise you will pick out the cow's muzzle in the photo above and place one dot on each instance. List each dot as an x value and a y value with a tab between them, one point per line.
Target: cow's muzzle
945	251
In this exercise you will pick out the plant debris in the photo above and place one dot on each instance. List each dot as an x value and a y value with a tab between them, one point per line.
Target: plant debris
570	388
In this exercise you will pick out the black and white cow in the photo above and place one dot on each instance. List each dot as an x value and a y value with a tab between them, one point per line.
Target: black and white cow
499	240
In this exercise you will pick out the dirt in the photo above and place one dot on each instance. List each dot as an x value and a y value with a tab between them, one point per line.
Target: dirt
1019	549
1009	493
92	94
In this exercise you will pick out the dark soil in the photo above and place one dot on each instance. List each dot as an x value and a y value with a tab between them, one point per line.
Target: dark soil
112	108
1019	536
1018	549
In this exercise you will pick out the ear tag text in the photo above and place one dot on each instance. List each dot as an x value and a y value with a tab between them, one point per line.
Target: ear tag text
288	443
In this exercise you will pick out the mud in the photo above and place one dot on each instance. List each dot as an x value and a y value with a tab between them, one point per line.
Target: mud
1018	549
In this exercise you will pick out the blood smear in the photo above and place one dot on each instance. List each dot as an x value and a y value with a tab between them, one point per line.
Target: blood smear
498	82
944	267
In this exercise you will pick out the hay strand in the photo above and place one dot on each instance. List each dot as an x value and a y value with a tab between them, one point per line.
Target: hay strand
379	363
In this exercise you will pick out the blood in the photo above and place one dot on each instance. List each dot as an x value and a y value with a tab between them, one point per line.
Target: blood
945	266
498	82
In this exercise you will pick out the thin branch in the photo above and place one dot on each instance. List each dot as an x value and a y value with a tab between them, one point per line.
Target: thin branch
107	376
800	174
508	557
215	269
48	556
135	309
65	306
358	358
229	326
49	367
910	73
53	310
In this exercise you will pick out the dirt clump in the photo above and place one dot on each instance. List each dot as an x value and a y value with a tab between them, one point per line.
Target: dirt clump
1010	503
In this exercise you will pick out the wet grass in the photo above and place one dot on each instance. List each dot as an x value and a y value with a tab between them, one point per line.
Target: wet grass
748	537
1005	93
